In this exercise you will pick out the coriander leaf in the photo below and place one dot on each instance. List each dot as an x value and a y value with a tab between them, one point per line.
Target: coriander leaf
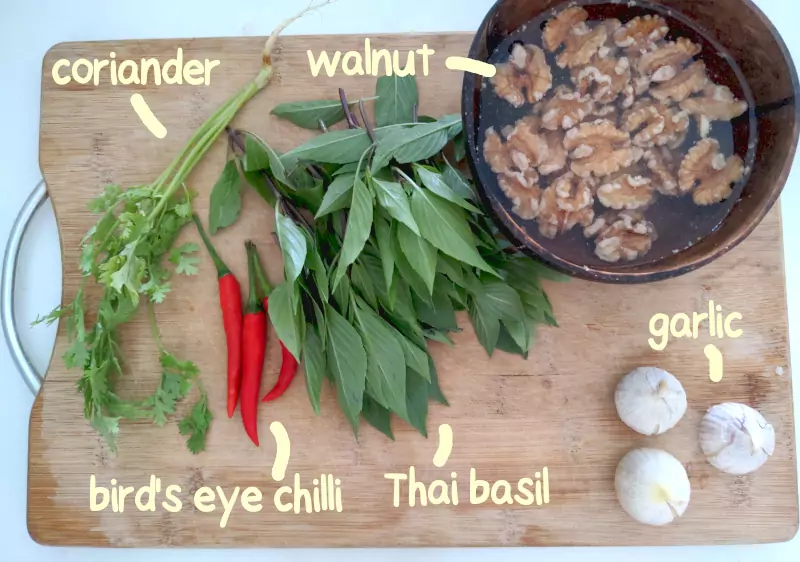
108	428
294	246
419	253
185	263
377	416
383	233
434	391
255	156
416	143
486	325
337	196
196	425
284	313
397	96
446	227
394	200
359	226
226	201
416	402
333	147
435	182
314	365
308	114
347	361
184	210
386	366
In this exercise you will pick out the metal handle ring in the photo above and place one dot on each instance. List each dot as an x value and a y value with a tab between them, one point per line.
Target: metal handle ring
32	378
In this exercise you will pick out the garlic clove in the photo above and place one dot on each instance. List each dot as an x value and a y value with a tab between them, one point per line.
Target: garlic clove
650	400
735	438
652	486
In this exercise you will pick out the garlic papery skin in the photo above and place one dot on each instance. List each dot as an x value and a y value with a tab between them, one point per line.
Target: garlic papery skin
652	486
650	400
735	438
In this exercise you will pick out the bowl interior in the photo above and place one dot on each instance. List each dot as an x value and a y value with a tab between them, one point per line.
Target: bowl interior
752	41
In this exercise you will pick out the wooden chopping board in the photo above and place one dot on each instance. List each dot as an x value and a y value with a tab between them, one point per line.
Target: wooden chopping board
510	417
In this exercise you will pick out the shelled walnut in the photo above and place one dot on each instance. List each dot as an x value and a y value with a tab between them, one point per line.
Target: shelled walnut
717	103
609	133
688	81
706	171
626	191
581	44
663	167
525	77
523	191
641	32
558	28
625	235
600	149
567	202
565	109
604	79
655	124
666	61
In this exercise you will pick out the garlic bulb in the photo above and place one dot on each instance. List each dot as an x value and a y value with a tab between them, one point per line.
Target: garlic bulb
735	438
650	400
652	486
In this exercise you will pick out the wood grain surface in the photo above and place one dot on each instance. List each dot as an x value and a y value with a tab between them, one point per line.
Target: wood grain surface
510	417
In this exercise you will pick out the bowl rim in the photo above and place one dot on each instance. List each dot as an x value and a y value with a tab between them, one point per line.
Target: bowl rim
502	218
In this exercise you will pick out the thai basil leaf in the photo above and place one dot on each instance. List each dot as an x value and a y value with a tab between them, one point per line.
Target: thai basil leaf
255	157
446	227
359	226
407	272
314	365
419	253
434	390
386	365
486	325
457	182
363	283
435	182
226	200
347	362
397	96
338	195
393	199
383	233
308	114
285	316
333	147
377	416
412	144
294	246
315	264
416	402
257	181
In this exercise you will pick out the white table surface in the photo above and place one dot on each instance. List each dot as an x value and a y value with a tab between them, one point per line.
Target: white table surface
29	27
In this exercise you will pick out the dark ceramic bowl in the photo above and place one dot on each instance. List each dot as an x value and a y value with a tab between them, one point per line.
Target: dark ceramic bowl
742	30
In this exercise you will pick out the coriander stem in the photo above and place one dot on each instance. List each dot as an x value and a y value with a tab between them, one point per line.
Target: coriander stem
154	325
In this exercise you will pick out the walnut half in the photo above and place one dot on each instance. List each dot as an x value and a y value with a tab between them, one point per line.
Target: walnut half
626	191
525	77
621	236
600	149
706	171
565	204
717	103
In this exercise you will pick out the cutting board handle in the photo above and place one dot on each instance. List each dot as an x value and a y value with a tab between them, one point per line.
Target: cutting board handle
29	373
